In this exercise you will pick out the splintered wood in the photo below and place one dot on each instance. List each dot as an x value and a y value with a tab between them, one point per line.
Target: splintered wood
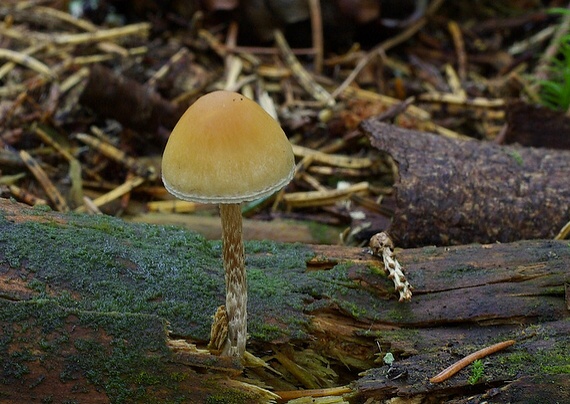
383	247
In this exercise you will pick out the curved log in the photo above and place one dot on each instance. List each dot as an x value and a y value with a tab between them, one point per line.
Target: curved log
458	192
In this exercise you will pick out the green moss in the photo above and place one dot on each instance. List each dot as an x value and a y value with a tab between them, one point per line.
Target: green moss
103	265
395	315
429	250
354	310
121	354
144	378
178	376
460	270
115	267
552	360
556	369
267	332
277	289
40	209
229	397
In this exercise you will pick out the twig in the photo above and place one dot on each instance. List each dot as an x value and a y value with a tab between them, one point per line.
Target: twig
384	46
321	198
76	192
52	192
27	61
119	156
459	43
232	63
26	196
302	76
142	29
564	232
7	67
121	190
65	17
163	71
457	366
336	160
90	206
457	100
454	82
317	32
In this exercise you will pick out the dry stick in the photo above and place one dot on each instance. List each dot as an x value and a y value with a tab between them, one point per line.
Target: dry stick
467	102
454	82
303	77
317	33
321	198
336	160
564	232
172	206
459	43
233	64
41	176
90	206
76	192
384	46
119	156
162	72
229	60
27	61
457	366
26	197
65	17
7	67
141	29
121	190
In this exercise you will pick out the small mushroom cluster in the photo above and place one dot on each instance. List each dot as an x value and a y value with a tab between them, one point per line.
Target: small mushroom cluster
226	150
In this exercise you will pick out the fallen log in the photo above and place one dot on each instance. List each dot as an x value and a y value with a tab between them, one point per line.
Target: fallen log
93	309
116	96
452	191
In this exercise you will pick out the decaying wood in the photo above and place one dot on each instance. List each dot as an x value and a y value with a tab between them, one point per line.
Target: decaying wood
457	192
93	309
120	96
537	126
287	231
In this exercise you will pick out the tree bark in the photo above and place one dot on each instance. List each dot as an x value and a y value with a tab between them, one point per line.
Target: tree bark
116	97
457	192
93	309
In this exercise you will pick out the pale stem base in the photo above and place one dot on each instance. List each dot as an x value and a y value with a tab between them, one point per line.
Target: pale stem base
236	283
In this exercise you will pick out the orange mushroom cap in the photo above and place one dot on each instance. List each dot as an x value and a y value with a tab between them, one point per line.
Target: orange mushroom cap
226	149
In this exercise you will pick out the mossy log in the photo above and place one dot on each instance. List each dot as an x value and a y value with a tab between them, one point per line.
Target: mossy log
96	310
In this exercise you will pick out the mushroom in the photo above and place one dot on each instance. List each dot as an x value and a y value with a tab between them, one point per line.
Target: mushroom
226	149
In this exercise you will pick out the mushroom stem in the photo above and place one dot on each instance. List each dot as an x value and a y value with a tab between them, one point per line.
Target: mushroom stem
236	284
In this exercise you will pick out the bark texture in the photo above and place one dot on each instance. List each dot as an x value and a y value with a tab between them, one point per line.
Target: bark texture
457	192
96	310
116	97
537	126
